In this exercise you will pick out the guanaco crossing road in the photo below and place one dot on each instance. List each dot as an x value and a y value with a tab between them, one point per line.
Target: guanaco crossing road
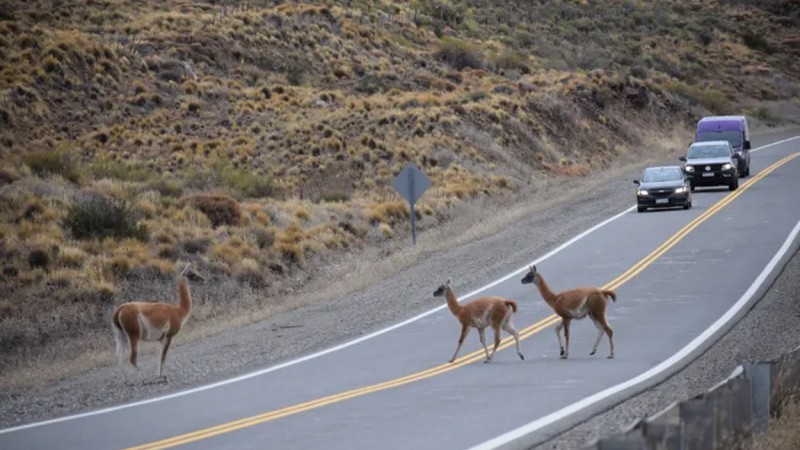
681	277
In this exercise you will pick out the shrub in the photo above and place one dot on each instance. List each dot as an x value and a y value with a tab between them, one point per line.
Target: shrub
121	170
220	209
72	257
96	216
459	54
387	212
223	174
39	258
758	42
55	162
247	182
249	272
263	237
196	245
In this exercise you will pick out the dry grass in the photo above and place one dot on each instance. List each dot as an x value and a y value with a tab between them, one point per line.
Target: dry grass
784	431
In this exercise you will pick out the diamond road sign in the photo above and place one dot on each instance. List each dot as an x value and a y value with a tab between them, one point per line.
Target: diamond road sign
411	183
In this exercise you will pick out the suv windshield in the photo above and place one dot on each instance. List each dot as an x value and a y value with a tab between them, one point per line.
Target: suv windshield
708	151
655	175
734	137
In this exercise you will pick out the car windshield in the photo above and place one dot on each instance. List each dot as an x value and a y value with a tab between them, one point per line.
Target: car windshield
663	174
734	137
708	151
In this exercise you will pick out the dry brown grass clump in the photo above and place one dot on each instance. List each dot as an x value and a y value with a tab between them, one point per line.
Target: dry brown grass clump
220	209
784	430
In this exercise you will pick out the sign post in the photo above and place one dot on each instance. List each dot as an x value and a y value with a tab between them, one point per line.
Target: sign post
411	183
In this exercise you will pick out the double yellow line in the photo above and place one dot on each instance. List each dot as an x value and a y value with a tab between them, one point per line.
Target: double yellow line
466	359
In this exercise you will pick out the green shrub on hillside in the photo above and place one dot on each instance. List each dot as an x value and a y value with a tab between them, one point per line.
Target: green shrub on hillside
100	217
53	162
459	54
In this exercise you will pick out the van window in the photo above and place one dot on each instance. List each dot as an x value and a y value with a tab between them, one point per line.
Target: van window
734	137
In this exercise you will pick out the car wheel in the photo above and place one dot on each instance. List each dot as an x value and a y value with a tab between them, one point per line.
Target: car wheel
734	184
687	205
641	208
691	187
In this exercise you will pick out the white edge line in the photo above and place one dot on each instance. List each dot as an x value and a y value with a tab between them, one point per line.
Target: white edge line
666	364
774	143
338	347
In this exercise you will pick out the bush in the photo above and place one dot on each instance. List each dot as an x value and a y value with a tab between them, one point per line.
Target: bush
264	237
459	54
121	170
220	209
100	217
248	183
223	174
55	162
758	42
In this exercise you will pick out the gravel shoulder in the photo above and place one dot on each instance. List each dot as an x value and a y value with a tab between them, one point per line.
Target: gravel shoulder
483	254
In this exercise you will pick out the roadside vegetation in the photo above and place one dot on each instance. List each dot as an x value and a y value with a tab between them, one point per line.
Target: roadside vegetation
784	431
258	139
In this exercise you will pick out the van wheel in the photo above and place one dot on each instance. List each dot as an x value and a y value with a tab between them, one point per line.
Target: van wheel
747	171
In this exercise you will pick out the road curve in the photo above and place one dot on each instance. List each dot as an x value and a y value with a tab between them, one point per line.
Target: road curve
676	274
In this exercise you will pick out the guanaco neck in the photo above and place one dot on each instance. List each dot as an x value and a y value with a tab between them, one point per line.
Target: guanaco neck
185	304
548	295
452	303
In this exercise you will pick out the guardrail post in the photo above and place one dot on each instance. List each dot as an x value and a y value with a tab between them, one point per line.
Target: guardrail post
697	421
662	434
742	413
722	401
759	375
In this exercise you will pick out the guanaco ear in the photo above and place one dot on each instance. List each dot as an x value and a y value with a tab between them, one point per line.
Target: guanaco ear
447	283
183	272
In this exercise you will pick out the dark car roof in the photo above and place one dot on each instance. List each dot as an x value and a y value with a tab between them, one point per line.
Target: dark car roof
656	169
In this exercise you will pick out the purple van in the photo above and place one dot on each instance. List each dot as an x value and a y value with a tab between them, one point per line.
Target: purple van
728	128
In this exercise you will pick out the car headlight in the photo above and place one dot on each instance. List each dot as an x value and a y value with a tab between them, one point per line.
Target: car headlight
680	190
727	166
689	168
641	192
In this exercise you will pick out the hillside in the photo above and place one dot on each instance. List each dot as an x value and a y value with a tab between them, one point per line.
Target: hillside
258	139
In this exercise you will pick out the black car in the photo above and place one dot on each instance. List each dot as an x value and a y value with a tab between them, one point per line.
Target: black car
663	186
711	163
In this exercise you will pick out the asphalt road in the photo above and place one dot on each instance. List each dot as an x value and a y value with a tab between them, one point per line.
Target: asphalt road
676	273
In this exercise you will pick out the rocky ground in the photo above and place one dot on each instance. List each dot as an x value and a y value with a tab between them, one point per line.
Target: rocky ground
769	330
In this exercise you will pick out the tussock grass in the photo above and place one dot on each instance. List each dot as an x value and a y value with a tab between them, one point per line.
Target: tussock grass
784	432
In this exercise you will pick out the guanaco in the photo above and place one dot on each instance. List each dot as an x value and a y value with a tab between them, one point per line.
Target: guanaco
481	313
135	321
576	304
